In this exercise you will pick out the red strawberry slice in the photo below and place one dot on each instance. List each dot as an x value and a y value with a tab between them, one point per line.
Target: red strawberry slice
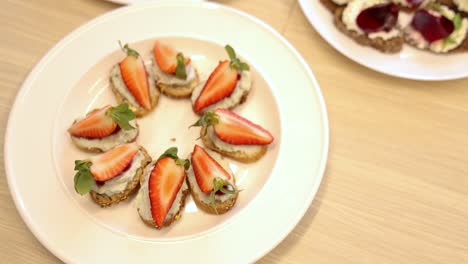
234	129
166	57
113	162
134	76
219	85
206	169
164	183
96	124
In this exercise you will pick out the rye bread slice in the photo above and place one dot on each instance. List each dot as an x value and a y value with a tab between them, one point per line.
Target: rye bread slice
236	155
392	45
176	91
105	200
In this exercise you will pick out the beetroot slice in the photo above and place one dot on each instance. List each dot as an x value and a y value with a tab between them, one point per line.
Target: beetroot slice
381	17
432	27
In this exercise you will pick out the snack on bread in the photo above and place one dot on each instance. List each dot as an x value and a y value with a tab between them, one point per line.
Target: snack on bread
371	23
163	191
104	128
213	189
227	86
438	29
233	136
132	83
113	176
175	74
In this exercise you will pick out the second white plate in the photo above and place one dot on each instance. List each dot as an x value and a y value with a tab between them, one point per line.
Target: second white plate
410	63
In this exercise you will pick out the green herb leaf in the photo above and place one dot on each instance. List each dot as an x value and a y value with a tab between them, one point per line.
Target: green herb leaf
122	115
236	63
180	69
434	6
208	119
448	41
84	180
172	153
129	51
457	21
221	185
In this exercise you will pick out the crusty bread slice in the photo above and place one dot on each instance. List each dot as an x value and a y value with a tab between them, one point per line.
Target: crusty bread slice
219	208
168	221
236	155
392	45
179	91
104	200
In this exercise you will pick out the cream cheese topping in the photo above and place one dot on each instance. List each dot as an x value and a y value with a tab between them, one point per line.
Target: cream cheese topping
119	85
462	5
206	197
243	86
442	45
248	149
169	79
143	203
111	141
119	183
352	11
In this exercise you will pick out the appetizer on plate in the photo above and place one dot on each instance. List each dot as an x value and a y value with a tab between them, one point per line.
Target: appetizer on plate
132	83
213	189
163	191
112	176
174	73
439	29
233	136
227	86
371	23
104	128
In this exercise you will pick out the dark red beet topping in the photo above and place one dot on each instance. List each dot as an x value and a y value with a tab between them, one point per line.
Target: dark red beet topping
414	3
381	17
432	27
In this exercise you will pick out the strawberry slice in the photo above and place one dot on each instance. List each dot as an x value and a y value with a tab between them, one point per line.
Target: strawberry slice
96	124
135	78
206	169
166	57
113	162
220	84
234	129
164	183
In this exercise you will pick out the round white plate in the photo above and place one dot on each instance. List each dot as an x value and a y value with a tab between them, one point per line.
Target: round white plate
410	63
73	78
131	2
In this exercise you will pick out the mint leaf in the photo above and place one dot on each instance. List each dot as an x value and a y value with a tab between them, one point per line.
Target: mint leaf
457	21
172	153
221	185
448	41
83	179
183	162
180	69
236	63
208	119
122	115
129	51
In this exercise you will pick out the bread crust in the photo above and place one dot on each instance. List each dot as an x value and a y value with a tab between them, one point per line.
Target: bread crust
392	45
220	207
236	155
105	201
175	217
139	111
179	91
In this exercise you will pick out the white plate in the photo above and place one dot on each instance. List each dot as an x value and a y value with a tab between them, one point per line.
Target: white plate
410	63
131	2
73	78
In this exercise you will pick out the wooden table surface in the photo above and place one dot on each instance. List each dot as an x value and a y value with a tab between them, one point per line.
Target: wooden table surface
396	185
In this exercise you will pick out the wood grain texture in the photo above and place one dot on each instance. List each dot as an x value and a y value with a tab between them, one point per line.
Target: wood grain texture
396	186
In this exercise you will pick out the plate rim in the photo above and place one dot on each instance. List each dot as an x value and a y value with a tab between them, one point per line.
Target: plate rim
77	32
309	14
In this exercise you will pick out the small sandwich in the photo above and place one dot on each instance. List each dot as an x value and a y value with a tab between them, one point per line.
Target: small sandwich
371	23
174	73
332	5
233	136
112	176
104	128
132	83
163	191
213	189
439	29
227	86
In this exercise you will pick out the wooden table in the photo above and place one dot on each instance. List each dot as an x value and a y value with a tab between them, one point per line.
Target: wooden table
396	185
